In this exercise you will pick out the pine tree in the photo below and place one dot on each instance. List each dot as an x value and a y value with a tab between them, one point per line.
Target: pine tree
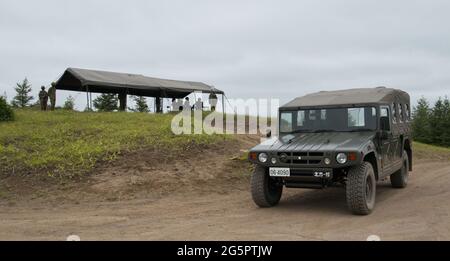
421	123
23	97
437	121
106	102
446	123
141	104
69	104
6	113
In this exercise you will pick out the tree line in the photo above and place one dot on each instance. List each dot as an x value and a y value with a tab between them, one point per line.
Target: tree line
432	124
104	102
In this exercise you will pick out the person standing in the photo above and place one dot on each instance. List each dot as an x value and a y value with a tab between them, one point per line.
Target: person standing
175	106
43	98
52	96
213	101
198	105
187	104
180	104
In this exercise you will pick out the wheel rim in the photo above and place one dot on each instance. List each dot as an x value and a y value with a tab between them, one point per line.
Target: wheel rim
369	190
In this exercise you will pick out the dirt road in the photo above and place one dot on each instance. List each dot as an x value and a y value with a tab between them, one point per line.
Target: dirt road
419	212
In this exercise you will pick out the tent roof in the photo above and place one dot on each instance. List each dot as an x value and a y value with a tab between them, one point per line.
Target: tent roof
75	79
379	95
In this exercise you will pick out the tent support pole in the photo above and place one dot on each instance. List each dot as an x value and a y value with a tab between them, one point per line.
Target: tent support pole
223	104
87	99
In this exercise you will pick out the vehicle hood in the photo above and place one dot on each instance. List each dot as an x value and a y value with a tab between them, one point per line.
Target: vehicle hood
326	141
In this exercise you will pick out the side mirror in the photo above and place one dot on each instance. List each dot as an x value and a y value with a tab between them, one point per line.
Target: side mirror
384	135
384	124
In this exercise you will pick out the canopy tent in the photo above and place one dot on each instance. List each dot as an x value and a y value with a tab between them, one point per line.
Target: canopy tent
93	81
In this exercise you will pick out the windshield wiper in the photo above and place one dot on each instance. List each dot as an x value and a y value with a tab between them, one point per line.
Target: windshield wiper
324	130
302	131
313	131
363	129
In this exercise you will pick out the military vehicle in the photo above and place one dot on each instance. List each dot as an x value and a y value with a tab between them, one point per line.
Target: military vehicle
348	138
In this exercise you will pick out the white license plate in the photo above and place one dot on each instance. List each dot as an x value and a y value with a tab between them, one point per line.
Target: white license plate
280	172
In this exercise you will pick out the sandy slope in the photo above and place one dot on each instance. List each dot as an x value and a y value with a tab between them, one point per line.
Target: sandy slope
210	210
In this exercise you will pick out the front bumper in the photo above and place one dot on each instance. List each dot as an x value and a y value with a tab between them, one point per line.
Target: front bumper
309	178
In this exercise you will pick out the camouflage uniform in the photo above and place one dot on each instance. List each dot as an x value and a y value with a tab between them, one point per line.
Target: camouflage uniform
213	101
43	98
52	96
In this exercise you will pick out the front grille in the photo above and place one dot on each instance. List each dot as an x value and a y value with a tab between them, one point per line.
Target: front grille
301	158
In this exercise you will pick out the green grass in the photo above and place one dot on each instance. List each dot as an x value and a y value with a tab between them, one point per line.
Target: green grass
66	144
427	151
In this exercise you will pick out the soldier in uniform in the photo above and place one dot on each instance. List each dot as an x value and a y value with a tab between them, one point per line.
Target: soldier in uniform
198	105
52	96
213	101
187	104
43	98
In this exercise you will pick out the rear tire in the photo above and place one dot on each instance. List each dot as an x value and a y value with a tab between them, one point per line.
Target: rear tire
400	178
266	192
361	189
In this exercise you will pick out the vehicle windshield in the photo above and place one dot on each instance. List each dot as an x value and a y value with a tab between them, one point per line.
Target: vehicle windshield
324	120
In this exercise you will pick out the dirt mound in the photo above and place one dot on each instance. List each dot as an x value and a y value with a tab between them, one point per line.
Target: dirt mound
146	173
197	168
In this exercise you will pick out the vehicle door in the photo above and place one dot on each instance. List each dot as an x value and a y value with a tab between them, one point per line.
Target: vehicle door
386	137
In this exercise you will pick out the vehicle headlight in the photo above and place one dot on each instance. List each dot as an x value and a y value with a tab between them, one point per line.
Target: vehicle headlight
341	158
263	157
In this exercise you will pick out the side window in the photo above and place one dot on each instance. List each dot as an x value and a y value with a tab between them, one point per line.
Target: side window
312	115
407	112
394	113
384	118
400	112
323	115
301	118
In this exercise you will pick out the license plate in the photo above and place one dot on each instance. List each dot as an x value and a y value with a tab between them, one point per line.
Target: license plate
280	172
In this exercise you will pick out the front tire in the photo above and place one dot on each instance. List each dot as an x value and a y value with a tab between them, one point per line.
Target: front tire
400	178
361	189
266	191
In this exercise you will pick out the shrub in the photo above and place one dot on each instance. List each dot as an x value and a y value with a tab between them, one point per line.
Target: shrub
69	104
6	113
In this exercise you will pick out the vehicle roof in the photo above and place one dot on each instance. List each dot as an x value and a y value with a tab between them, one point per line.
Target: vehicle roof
349	97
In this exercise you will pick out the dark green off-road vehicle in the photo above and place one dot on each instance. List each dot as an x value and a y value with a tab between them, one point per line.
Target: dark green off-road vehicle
352	137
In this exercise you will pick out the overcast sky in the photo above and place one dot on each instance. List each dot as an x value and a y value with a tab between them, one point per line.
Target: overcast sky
261	49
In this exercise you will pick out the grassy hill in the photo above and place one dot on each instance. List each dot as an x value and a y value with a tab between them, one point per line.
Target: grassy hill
67	144
426	151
